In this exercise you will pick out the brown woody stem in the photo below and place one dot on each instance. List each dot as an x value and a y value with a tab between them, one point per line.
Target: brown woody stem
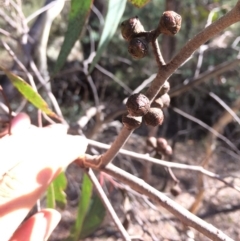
177	210
120	140
167	70
157	52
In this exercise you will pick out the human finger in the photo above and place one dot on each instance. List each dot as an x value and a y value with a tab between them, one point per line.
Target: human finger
20	123
40	158
38	227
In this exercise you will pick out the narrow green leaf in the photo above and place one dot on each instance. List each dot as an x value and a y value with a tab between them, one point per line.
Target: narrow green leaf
50	197
78	15
59	185
29	93
56	193
94	217
83	207
139	3
113	17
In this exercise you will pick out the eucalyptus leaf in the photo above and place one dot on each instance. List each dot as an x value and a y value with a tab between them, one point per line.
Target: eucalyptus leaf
113	18
78	15
29	93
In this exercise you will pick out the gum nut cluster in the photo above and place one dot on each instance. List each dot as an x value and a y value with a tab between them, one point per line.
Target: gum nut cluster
138	46
163	147
160	145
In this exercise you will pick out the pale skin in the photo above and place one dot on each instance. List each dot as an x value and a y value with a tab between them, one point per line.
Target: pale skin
30	158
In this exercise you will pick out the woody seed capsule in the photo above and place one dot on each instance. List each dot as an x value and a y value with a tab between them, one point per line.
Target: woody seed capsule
170	23
154	117
130	27
138	47
138	105
131	122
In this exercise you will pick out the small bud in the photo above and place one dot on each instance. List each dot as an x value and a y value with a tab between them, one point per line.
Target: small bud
170	23
154	117
175	190
151	142
138	47
161	143
165	100
157	103
138	104
130	27
131	122
168	151
165	88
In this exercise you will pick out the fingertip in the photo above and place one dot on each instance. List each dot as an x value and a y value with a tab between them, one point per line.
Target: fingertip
38	227
20	123
53	217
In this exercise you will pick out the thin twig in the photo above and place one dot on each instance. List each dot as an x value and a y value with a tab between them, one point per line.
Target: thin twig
205	76
8	19
157	52
108	205
177	210
9	109
82	122
30	78
226	107
143	85
210	129
112	76
48	90
40	11
144	157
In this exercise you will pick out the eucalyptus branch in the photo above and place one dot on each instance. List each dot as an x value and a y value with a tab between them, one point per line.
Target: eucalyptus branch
120	140
143	158
133	26
177	210
142	187
191	46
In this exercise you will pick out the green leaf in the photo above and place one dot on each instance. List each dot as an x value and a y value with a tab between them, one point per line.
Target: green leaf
113	17
78	15
29	93
59	185
94	217
56	193
83	207
50	197
139	3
